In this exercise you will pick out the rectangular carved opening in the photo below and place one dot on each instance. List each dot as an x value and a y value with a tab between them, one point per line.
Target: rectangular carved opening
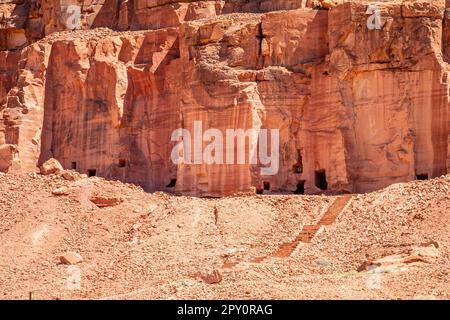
300	187
321	180
92	172
266	185
422	176
74	165
122	163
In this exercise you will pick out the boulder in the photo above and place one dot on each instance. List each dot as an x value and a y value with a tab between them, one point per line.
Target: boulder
51	166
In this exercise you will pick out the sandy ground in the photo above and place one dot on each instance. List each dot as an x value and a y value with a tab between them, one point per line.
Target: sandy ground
391	244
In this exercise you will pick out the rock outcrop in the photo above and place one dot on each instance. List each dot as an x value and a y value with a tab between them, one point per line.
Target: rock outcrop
357	106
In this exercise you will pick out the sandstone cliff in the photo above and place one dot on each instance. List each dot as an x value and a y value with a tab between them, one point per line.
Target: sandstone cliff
357	108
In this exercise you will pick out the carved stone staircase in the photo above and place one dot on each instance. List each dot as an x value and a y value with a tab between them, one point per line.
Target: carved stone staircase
308	232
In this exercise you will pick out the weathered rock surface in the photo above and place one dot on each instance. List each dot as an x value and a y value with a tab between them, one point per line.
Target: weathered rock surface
357	109
51	166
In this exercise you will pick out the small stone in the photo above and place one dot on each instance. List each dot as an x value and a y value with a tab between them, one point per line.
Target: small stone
322	262
63	191
104	201
212	277
71	258
70	175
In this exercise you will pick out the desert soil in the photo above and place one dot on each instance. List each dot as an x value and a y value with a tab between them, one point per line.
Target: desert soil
390	244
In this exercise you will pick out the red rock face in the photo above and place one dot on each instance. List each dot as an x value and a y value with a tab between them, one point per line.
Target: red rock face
356	108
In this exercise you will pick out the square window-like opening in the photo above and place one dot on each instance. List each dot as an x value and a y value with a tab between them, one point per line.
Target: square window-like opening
422	176
122	163
92	173
266	185
321	180
73	165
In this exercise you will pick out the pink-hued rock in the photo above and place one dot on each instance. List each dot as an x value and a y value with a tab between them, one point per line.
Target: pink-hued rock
212	276
63	191
105	201
51	166
9	160
23	21
71	258
360	108
22	100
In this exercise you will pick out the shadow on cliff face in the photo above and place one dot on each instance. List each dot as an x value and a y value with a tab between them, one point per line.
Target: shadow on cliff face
108	15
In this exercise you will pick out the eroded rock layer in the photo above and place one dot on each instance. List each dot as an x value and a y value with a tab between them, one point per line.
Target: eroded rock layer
357	108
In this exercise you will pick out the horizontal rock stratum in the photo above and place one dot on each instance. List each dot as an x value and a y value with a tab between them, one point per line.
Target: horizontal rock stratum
358	90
